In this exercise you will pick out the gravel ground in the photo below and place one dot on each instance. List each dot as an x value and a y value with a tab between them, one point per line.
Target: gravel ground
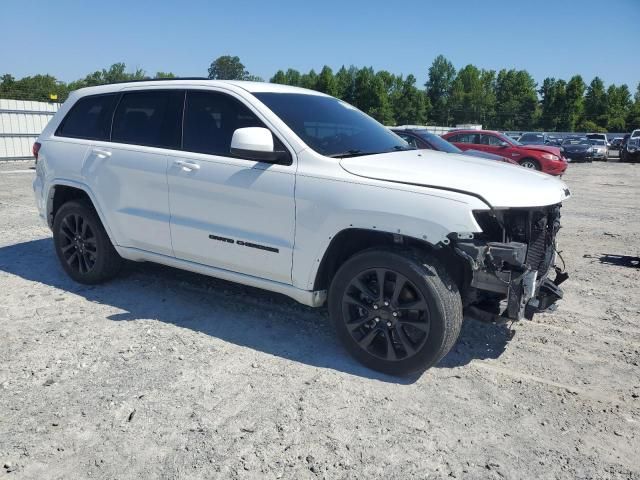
167	374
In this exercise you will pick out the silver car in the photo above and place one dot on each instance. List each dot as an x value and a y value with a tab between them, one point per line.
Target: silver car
600	149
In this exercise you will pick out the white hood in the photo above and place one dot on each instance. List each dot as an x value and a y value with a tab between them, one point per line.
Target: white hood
500	184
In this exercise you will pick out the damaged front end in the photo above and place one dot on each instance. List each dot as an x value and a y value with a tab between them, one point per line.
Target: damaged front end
510	261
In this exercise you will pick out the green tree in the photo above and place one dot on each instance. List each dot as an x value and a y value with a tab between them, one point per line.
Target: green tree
309	80
164	75
346	84
517	100
279	77
441	76
472	98
409	105
326	82
618	105
574	101
372	97
633	117
37	87
595	103
227	67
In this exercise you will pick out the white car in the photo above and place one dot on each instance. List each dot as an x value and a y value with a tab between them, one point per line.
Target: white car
296	192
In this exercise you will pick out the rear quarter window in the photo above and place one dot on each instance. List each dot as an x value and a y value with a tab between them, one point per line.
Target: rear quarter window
89	118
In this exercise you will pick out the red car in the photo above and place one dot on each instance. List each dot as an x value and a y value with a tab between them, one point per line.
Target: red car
539	157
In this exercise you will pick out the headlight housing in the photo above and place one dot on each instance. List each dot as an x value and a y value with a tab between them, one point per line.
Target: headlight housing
549	156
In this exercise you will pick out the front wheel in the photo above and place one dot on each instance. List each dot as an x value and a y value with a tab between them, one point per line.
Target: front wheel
530	163
397	312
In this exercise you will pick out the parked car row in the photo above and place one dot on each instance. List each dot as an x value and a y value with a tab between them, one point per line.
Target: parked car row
545	158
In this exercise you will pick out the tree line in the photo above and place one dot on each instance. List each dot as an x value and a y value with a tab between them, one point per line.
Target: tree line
508	99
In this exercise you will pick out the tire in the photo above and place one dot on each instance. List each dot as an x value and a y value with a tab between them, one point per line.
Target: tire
414	340
530	163
82	244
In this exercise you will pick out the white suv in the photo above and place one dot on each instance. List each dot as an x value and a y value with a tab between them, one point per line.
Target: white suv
299	193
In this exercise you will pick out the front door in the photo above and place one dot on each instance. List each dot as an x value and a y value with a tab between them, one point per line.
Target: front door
229	212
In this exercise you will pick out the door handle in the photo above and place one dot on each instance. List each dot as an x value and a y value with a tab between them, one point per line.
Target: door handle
101	153
187	166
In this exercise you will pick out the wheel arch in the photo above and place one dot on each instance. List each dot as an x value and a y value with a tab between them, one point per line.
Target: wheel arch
351	241
63	191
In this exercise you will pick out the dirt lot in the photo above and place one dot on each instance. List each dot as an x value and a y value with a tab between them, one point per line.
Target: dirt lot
166	374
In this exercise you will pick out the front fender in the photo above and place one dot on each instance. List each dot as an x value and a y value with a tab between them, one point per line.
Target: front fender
326	207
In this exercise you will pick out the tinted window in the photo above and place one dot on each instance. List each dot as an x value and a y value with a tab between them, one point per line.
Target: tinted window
330	126
439	143
490	140
89	118
466	138
210	120
151	118
409	139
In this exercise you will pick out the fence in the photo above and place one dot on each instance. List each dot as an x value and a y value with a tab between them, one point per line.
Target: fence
20	124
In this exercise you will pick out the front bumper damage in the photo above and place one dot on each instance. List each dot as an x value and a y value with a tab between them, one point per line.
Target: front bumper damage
515	270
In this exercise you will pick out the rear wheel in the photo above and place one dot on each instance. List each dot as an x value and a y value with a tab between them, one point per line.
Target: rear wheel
395	311
82	244
530	163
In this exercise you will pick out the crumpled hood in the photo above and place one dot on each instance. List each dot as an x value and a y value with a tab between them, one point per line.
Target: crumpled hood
543	148
498	184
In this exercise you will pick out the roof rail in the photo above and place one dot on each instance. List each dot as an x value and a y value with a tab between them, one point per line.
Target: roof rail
156	80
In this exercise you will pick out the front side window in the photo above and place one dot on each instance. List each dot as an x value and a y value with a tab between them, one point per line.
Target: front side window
210	118
331	127
89	118
491	140
151	118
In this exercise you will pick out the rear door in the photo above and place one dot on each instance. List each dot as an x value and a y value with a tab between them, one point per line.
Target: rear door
229	212
466	141
129	173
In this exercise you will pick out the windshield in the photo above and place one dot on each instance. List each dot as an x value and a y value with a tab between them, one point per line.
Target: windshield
532	137
330	126
437	142
576	141
509	140
596	141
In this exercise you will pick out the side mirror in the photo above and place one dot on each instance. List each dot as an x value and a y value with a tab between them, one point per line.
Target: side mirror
504	144
256	143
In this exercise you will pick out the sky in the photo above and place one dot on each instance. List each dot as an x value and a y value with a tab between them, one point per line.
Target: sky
69	39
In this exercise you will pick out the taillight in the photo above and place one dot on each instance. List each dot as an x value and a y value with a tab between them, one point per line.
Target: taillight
35	150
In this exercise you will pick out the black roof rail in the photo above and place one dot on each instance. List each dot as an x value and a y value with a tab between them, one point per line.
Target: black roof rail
156	80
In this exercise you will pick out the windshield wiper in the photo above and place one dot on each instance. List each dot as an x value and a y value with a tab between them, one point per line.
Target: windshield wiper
359	153
399	148
348	153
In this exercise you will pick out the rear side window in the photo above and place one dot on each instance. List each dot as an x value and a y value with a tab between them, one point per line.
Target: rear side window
89	118
210	119
465	138
152	118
